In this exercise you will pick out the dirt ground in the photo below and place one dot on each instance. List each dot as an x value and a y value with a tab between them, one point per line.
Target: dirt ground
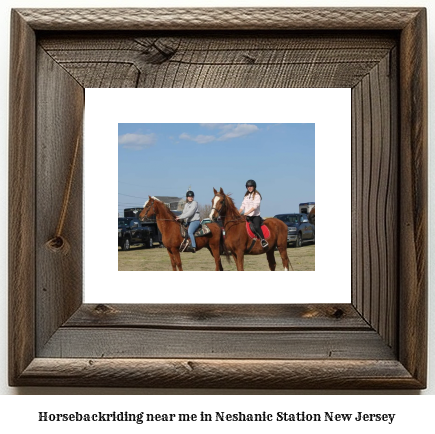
157	259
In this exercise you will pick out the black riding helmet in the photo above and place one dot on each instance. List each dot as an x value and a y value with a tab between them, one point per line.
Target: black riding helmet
251	183
190	194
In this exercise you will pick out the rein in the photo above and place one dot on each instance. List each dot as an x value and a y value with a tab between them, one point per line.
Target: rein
239	219
162	220
221	208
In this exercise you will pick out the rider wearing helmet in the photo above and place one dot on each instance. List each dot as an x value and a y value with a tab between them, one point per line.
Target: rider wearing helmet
251	208
191	216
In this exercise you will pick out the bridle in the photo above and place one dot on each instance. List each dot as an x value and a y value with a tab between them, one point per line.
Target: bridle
149	207
155	213
146	214
220	209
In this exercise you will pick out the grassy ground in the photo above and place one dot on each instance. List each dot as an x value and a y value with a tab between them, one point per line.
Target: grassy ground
157	259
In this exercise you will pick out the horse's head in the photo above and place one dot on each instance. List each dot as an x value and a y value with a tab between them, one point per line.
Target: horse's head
217	204
148	209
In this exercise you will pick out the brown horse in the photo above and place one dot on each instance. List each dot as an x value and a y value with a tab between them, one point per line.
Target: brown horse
312	216
237	239
171	235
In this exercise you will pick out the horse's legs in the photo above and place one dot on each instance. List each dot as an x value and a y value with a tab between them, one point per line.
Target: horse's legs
233	254
214	250
171	257
271	259
176	253
239	260
285	260
177	259
282	248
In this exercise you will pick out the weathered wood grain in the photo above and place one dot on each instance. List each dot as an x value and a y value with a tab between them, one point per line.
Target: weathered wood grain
357	199
413	190
269	317
375	197
378	342
228	374
59	278
220	18
392	299
235	60
389	206
128	342
21	260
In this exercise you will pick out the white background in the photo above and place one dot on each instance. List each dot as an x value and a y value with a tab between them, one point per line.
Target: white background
329	109
416	411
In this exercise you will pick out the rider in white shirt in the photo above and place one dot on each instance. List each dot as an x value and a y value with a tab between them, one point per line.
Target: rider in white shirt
251	207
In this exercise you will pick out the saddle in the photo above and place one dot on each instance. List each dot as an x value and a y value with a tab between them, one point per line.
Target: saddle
251	231
202	230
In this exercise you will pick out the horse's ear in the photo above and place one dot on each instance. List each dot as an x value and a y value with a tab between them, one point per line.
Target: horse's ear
150	197
215	191
221	191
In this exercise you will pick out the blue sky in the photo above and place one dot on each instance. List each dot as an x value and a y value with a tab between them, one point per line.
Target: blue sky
165	159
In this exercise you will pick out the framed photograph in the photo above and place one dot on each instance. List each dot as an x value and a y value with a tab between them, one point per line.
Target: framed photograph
375	341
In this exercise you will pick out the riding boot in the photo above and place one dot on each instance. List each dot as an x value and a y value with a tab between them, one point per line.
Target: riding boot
185	242
263	241
184	245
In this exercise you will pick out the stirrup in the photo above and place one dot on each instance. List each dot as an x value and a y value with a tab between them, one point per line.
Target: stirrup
184	245
264	243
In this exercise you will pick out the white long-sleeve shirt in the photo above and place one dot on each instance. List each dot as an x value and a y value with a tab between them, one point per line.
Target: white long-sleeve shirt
250	201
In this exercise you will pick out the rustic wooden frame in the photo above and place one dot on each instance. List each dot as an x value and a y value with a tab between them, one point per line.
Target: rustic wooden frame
378	341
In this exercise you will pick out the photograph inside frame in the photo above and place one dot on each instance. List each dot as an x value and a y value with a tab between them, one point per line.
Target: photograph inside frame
216	196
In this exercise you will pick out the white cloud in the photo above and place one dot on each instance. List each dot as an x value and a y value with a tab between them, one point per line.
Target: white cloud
226	132
201	139
238	130
137	141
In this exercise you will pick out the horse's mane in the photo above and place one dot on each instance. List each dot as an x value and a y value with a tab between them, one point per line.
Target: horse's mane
232	211
165	209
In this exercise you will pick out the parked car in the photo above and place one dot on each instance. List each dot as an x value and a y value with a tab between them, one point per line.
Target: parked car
132	232
300	230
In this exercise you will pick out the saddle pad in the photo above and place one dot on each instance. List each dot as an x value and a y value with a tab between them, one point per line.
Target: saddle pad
264	228
201	231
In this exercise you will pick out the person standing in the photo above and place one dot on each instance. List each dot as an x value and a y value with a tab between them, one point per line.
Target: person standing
190	215
251	207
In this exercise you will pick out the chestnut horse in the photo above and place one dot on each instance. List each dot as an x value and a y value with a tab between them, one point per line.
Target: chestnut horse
171	236
312	216
237	239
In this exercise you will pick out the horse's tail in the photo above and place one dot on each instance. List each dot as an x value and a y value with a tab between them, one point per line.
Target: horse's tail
223	248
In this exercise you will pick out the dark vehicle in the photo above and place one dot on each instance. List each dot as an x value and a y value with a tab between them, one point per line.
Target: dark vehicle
300	230
132	232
